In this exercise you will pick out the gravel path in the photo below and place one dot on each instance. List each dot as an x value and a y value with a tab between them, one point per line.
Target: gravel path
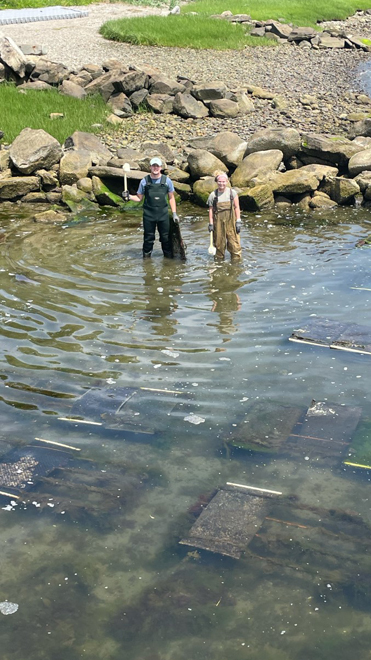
328	75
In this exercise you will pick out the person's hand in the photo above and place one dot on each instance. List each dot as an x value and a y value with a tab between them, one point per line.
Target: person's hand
238	226
176	218
125	196
210	227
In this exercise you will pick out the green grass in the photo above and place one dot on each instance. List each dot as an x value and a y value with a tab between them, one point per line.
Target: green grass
34	107
180	31
300	12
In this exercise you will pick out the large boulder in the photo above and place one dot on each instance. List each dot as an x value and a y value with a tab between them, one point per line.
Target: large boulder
294	182
320	171
302	34
287	140
330	149
18	186
70	88
362	127
360	162
34	150
12	56
120	105
131	82
228	147
258	198
74	165
256	164
81	141
342	191
49	72
203	163
202	189
188	107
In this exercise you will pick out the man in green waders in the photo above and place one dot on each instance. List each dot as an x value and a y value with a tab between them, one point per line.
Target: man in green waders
156	189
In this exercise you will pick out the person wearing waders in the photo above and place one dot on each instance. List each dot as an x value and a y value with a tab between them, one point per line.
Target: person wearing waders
156	189
224	219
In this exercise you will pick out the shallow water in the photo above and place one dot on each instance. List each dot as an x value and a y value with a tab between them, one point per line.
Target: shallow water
100	574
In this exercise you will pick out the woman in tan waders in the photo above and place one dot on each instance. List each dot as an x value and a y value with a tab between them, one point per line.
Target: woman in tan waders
224	219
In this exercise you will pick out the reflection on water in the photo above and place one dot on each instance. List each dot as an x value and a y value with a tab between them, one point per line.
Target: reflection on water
90	550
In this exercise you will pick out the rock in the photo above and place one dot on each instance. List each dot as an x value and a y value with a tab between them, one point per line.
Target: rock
320	171
282	30
174	11
258	198
228	147
177	175
184	190
341	190
187	106
131	82
287	140
203	163
295	182
49	179
82	79
210	91
74	165
114	120
49	72
302	33
161	148
362	127
34	150
280	102
85	184
37	85
138	98
363	180
12	56
120	105
4	160
259	92
103	195
202	189
223	108
77	200
244	102
105	172
81	141
160	103
34	198
321	201
163	85
71	89
56	115
50	217
326	41
330	149
255	164
360	162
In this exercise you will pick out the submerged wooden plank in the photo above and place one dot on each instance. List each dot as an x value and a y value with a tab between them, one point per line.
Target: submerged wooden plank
228	523
355	338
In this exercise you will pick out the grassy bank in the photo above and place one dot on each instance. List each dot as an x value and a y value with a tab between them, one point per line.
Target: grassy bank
34	107
201	31
180	31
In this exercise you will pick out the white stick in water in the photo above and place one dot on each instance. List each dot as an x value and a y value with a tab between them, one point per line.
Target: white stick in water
126	168
212	249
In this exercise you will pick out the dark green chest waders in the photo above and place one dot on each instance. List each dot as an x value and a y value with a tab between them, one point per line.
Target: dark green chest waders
156	214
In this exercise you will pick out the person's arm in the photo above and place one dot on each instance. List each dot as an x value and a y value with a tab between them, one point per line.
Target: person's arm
135	198
172	202
236	204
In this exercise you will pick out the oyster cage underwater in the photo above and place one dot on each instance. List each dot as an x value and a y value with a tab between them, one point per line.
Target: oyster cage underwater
178	479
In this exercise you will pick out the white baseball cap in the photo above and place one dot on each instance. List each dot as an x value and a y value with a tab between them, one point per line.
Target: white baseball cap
156	161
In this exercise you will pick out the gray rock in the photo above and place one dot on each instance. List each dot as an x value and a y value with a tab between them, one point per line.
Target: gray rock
138	98
4	160
74	165
295	182
360	162
329	149
12	56
163	85
287	140
228	147
244	102
120	105
131	82
34	150
363	180
34	198
326	41
321	201
82	141
49	179
161	148
223	108
320	171
37	85
282	30
210	91
202	189
256	164
160	103
70	88
18	186
362	127
302	33
50	72
178	175
257	198
341	190
49	217
187	106
203	163
85	184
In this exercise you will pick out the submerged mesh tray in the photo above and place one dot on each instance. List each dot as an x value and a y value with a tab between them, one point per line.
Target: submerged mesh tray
8	16
126	409
326	431
21	468
265	427
343	336
228	523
